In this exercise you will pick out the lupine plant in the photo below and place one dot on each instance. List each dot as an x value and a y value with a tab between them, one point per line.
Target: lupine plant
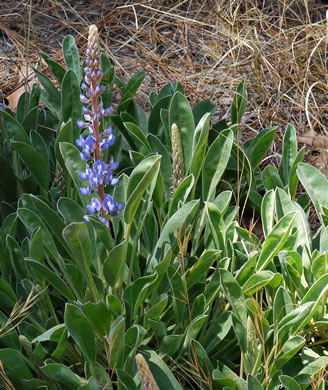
149	279
101	173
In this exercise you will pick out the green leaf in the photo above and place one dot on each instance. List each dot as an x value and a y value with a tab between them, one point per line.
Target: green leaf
253	383
114	264
71	55
199	145
154	123
131	89
33	222
166	166
275	241
40	145
259	146
289	349
14	364
126	380
316	185
181	194
282	306
257	281
99	315
71	106
293	178
35	163
271	178
52	334
141	289
8	182
320	266
289	383
47	274
179	221
215	163
203	108
70	210
141	178
193	330
50	217
116	343
239	104
57	70
102	232
49	95
7	296
178	296
234	294
138	136
171	344
285	205
162	374
200	269
154	312
30	121
58	372
316	291
77	238
314	367
15	131
217	331
216	225
289	153
80	329
180	113
16	258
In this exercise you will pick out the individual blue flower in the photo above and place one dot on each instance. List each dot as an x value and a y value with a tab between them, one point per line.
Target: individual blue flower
112	206
85	191
87	148
81	124
83	99
85	175
108	142
94	206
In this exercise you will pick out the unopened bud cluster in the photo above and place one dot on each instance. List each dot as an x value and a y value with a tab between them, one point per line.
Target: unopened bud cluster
146	377
177	157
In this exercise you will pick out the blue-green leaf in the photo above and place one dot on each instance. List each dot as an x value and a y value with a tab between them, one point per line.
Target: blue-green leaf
81	330
71	55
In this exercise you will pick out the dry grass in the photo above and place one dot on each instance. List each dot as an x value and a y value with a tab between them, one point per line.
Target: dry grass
280	46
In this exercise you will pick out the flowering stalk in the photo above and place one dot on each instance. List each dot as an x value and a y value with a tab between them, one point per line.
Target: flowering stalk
98	173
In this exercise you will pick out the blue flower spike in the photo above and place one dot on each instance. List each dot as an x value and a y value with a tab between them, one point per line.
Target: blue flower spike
98	172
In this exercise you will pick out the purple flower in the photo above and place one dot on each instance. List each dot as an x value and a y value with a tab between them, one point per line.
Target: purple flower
94	206
108	142
87	147
81	124
112	206
85	191
99	173
85	175
83	99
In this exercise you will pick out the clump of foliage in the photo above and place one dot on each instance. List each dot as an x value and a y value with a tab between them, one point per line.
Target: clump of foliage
162	287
